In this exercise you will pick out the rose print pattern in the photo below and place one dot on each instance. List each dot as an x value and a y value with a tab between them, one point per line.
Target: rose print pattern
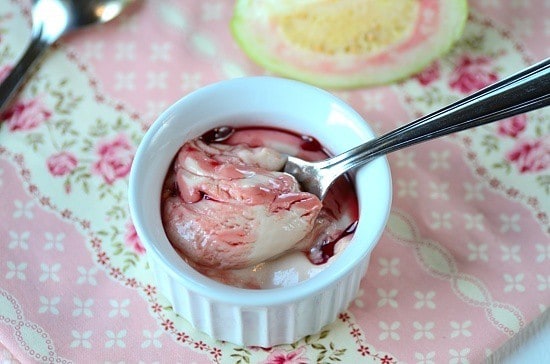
62	163
279	356
26	115
430	74
531	155
513	126
472	74
131	239
115	159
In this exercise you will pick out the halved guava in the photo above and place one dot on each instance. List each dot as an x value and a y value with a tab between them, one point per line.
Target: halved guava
347	43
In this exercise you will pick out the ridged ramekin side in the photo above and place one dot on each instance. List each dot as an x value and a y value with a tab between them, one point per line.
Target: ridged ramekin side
259	325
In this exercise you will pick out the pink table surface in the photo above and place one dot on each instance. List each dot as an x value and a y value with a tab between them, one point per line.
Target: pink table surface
462	267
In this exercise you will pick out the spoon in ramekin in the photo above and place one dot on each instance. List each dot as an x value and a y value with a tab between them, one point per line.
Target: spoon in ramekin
524	91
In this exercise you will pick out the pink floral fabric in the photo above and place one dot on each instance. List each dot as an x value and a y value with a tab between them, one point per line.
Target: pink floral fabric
131	239
26	115
429	74
286	357
460	270
472	74
531	155
62	163
114	158
513	126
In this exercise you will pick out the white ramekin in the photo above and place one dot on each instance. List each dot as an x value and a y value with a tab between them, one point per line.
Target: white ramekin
271	316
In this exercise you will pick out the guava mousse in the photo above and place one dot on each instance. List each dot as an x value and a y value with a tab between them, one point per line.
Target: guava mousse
233	215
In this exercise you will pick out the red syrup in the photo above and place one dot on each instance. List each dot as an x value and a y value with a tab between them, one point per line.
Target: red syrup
224	134
328	247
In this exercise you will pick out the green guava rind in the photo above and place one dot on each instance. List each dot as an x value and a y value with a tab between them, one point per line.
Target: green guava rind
457	10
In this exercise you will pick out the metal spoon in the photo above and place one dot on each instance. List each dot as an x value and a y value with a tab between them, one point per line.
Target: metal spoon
524	91
50	20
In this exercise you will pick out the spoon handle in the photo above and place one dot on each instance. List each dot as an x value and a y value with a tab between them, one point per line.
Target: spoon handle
15	79
524	91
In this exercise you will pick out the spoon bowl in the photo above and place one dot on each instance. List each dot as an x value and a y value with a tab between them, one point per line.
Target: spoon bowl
52	19
524	91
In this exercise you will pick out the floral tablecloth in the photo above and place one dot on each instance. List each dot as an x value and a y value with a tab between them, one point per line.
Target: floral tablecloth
463	265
